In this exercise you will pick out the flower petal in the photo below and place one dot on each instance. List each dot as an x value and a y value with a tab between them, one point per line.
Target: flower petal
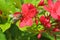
29	22
50	3
47	8
22	24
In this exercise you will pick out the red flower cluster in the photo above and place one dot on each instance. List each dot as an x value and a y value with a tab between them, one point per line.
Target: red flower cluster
45	21
54	9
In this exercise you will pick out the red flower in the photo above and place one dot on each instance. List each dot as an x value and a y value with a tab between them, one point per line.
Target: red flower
28	12
41	3
45	21
54	9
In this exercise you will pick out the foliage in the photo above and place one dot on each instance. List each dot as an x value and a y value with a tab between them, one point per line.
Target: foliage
12	31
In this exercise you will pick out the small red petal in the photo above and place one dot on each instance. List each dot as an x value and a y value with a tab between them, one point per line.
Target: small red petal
29	22
26	22
50	3
22	24
30	6
16	14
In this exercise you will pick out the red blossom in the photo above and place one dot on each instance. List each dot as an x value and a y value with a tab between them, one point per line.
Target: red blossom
54	9
28	12
41	3
45	21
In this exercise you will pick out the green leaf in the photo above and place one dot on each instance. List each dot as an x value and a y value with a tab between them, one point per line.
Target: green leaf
27	1
2	36
40	27
35	2
7	7
58	38
57	35
5	26
3	6
18	3
48	36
